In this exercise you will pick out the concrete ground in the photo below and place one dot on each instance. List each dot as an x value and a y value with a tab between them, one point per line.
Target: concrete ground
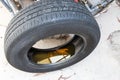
102	64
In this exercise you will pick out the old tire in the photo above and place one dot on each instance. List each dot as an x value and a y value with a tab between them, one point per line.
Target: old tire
47	18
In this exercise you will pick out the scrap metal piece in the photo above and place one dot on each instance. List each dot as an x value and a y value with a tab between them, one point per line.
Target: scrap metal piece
25	3
99	7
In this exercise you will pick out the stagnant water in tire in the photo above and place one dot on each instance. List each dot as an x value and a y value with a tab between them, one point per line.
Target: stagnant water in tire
49	56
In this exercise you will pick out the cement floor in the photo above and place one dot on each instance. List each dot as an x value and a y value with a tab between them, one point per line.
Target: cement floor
102	64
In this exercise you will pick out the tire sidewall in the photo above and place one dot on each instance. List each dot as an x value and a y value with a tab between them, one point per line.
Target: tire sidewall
19	50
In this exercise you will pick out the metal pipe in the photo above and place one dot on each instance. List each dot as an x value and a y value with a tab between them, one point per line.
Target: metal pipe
13	6
7	5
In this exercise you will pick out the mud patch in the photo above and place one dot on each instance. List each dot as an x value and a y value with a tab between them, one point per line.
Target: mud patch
114	44
114	40
65	78
118	2
38	74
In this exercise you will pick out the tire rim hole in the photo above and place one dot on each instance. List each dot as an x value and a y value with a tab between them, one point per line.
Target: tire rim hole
55	41
61	54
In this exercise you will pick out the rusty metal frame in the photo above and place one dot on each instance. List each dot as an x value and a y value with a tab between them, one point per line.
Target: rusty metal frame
99	7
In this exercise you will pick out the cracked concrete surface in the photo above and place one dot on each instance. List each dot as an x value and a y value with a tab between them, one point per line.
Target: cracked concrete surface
102	64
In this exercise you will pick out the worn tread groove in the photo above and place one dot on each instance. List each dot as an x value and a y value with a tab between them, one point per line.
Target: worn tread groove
24	20
27	10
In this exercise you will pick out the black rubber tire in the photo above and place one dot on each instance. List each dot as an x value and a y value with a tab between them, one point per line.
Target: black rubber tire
46	18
